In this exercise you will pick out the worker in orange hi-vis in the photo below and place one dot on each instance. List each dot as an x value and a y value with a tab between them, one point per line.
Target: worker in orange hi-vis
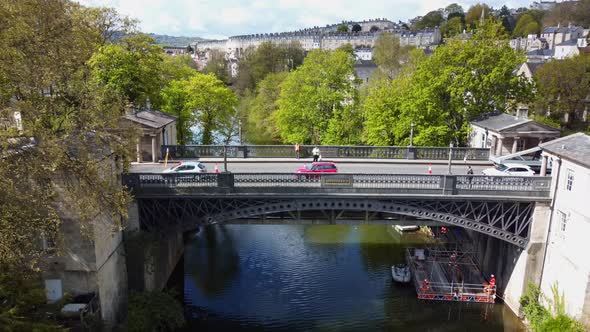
216	169
429	168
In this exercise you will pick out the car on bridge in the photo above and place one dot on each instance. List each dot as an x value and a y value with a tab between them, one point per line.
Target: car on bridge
314	170
187	167
509	170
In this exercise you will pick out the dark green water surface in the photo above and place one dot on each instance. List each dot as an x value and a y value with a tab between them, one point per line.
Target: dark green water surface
314	278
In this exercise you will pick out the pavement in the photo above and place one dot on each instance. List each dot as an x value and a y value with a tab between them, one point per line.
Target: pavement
290	165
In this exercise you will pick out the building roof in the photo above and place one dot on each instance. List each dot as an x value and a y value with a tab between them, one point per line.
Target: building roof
502	122
559	29
541	52
534	66
151	118
497	121
574	147
571	42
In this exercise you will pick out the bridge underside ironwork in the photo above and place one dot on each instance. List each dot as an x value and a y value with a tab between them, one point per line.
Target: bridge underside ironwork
506	220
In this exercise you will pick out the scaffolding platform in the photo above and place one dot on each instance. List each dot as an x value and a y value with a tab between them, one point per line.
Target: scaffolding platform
448	274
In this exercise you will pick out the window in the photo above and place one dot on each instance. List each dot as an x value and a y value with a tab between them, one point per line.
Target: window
570	180
563	218
47	242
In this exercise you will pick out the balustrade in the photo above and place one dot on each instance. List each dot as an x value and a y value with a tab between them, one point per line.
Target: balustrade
362	183
351	152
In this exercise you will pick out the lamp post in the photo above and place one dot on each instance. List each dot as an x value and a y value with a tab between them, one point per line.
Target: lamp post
450	156
411	133
225	159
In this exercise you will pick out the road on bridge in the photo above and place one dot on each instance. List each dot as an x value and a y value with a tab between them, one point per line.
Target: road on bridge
344	166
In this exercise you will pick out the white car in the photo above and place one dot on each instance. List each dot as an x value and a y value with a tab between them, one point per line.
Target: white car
510	170
188	167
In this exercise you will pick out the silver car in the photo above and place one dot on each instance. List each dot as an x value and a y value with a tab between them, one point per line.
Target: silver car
189	167
509	170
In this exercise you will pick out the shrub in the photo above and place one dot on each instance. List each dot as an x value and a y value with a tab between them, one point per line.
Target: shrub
154	311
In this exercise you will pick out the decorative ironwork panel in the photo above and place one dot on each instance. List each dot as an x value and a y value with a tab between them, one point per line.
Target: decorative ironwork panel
294	183
509	221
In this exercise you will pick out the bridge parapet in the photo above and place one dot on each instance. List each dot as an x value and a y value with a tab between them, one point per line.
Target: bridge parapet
156	184
356	152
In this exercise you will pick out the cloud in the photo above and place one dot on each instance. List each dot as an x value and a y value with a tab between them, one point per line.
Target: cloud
209	18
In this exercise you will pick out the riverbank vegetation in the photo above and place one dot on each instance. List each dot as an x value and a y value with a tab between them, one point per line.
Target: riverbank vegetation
546	314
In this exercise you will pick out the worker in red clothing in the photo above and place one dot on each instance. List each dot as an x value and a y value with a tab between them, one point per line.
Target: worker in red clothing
443	230
489	288
425	286
492	282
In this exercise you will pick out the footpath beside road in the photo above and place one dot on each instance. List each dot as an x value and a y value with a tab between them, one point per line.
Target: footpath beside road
341	161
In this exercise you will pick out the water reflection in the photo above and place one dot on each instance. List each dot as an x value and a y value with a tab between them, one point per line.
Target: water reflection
214	261
314	278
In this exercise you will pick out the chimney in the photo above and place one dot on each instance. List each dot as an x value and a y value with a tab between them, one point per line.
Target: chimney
522	112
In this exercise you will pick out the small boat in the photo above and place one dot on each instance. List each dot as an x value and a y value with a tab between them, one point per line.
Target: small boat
408	228
401	273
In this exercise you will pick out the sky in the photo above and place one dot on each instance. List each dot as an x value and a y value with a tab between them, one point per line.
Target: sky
216	19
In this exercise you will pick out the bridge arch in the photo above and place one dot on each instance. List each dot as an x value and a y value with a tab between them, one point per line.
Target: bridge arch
508	221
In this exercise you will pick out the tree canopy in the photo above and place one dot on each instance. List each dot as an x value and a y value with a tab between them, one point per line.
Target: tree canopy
131	68
202	100
457	83
316	98
267	58
473	15
563	87
389	55
430	20
526	25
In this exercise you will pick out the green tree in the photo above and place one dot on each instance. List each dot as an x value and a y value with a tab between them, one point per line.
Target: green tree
267	58
175	98
452	27
211	105
177	67
260	127
525	26
457	83
131	68
386	104
454	8
21	297
342	29
73	120
574	12
473	15
389	55
323	88
357	28
217	65
430	20
563	87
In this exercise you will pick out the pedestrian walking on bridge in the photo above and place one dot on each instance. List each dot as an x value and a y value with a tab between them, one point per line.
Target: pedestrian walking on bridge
297	150
316	154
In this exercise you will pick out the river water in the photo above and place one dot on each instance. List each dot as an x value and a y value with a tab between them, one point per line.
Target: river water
314	278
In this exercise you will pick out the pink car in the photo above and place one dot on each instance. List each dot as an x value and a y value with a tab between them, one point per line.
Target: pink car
316	168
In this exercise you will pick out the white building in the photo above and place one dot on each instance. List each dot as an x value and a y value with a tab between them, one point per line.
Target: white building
566	262
364	54
506	134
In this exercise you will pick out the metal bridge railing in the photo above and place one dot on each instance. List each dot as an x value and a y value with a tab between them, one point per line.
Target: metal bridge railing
352	152
534	186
